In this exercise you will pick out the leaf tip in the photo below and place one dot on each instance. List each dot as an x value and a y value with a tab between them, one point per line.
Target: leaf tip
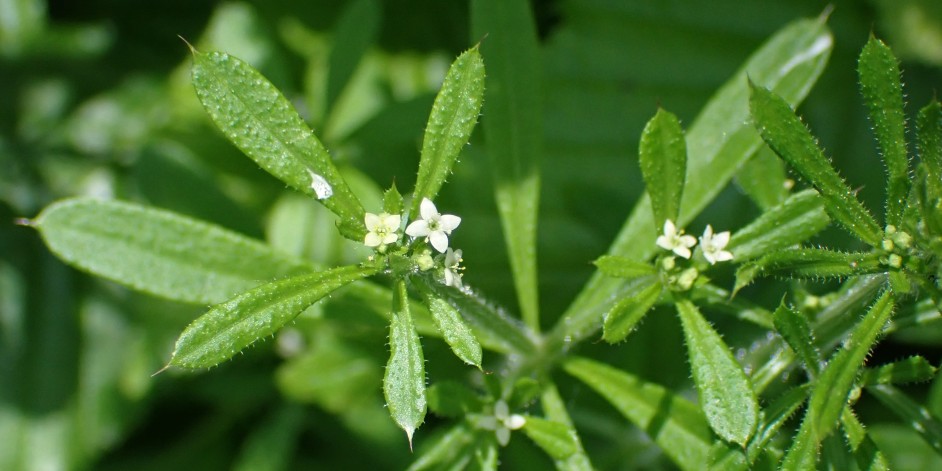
165	368
25	222
190	46
409	433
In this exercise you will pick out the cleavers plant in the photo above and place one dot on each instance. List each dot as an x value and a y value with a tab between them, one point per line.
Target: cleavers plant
414	268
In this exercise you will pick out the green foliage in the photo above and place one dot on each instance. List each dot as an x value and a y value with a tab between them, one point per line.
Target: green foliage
377	319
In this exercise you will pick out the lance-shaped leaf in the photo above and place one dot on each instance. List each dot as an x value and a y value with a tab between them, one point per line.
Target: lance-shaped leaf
354	33
774	417
627	313
929	143
915	369
160	252
513	131
404	382
613	265
830	392
811	263
492	328
865	451
449	127
719	140
673	422
455	331
263	124
556	439
662	155
555	410
793	142
726	396
793	327
793	221
883	94
803	453
910	412
229	327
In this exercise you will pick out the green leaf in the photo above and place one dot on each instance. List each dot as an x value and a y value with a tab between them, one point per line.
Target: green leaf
454	330
513	131
728	400
793	221
229	327
719	140
883	94
915	369
627	313
793	142
354	33
662	155
261	122
673	422
763	179
404	383
817	263
803	453
865	451
555	410
556	439
491	327
774	417
613	265
929	143
449	450
159	252
449	127
392	201
910	412
833	387
793	327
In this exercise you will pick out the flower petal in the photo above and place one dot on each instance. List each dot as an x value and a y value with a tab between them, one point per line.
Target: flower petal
669	229
687	240
372	240
664	242
392	221
390	238
439	241
427	209
372	221
418	228
449	222
721	240
723	256
682	251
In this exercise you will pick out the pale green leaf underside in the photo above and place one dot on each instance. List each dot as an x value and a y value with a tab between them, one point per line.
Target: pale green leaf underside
513	131
404	382
662	155
229	327
454	114
719	140
261	122
726	395
160	252
674	423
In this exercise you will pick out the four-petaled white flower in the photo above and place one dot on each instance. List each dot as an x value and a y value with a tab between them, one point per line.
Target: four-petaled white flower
675	240
713	245
502	422
434	226
382	229
452	270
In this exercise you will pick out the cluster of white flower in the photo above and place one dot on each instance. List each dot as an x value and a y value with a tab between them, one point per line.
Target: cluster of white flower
712	245
383	230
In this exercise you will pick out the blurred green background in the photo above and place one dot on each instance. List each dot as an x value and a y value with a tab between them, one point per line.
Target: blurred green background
95	100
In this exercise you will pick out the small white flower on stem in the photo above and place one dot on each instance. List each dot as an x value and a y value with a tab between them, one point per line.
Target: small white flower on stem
452	268
675	240
502	422
434	226
381	229
713	245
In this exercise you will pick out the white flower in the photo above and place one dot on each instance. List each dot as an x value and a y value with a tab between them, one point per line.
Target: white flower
434	226
713	245
452	270
675	240
502	422
382	229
